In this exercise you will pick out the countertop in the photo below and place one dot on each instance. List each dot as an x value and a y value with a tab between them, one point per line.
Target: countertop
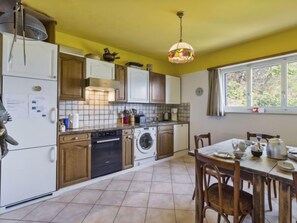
119	126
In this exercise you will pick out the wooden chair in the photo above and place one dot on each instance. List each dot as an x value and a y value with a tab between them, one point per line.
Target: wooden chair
268	181
221	197
200	142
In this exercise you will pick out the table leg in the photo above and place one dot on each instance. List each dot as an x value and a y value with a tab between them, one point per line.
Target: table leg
258	199
285	203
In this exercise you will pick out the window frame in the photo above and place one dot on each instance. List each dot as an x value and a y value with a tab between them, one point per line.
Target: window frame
283	61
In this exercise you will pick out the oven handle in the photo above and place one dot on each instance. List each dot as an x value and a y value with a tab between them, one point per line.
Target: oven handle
108	140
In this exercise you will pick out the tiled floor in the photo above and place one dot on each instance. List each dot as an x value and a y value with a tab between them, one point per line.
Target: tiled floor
157	194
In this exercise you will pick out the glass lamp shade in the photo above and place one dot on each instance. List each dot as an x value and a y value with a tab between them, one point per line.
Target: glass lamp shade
181	52
34	28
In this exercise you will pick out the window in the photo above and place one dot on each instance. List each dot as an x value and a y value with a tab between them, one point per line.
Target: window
262	86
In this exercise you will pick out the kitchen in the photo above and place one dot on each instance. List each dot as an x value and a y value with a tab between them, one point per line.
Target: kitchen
96	110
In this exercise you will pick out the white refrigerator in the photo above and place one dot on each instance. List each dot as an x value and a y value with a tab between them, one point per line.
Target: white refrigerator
28	171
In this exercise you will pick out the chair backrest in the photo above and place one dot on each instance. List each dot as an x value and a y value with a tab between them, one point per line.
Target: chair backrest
210	165
266	137
295	182
200	138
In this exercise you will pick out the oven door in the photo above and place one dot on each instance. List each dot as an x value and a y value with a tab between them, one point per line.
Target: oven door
106	156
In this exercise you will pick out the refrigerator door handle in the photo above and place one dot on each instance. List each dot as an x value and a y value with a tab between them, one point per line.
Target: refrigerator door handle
53	154
53	115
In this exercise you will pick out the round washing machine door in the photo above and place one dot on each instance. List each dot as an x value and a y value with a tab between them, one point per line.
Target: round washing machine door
145	141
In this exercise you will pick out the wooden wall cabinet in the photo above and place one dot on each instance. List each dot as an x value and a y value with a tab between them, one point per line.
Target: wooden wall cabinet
72	70
165	141
157	88
74	159
128	148
121	76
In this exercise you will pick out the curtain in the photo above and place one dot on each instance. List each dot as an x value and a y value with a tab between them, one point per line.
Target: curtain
216	99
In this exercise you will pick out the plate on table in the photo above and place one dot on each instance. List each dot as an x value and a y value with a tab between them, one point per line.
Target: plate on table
285	166
223	155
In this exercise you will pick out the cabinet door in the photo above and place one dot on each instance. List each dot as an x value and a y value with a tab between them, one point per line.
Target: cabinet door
41	59
121	76
165	144
128	151
172	90
181	137
138	85
72	77
157	88
99	69
74	163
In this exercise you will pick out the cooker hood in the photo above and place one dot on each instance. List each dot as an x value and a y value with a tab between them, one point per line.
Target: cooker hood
99	84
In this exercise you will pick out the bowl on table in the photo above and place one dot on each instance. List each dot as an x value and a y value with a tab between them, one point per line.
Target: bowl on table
238	154
256	152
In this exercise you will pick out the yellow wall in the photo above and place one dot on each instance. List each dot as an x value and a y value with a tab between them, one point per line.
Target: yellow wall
87	46
274	44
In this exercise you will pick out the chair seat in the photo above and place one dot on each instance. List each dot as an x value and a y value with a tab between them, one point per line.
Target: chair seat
245	199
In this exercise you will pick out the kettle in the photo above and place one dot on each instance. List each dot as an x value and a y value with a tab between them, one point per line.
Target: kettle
74	120
276	149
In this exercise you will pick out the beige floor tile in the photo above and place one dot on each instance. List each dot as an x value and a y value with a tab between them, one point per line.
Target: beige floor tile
182	188
8	221
66	197
162	177
18	214
136	199
112	198
45	212
185	216
164	164
161	187
184	202
101	185
140	186
139	176
149	169
161	201
119	185
126	176
181	178
73	213
102	214
160	216
131	215
162	169
87	197
179	170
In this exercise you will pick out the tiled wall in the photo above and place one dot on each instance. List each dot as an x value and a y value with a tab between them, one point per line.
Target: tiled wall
96	110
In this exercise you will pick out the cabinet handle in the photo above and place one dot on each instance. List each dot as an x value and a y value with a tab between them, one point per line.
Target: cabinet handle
75	138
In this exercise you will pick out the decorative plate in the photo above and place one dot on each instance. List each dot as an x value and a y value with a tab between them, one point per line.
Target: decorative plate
223	155
285	166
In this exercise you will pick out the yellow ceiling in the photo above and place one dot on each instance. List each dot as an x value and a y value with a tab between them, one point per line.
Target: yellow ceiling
150	27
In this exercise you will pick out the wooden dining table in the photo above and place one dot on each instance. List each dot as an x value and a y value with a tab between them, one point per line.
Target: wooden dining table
258	170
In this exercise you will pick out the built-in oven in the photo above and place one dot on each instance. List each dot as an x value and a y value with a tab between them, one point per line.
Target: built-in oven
106	152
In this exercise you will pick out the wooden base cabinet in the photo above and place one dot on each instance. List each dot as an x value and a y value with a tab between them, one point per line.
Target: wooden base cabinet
128	148
74	159
165	142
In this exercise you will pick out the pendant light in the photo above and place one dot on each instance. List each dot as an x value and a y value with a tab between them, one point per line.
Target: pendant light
181	52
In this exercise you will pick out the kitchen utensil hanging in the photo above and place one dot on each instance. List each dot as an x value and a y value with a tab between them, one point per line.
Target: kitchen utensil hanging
30	27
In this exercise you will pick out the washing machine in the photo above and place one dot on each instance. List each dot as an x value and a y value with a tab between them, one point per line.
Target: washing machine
145	145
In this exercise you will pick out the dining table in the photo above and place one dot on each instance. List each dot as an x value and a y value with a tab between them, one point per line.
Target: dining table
256	170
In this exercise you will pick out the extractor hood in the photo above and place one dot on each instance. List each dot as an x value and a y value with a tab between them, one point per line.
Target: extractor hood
99	84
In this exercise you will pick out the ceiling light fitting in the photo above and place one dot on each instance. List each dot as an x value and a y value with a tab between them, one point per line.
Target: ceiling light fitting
181	52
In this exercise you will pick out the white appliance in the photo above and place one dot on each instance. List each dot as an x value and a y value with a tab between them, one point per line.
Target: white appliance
174	114
145	145
74	120
29	169
180	137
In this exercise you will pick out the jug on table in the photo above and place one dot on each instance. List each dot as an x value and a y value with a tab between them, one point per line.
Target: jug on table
276	149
